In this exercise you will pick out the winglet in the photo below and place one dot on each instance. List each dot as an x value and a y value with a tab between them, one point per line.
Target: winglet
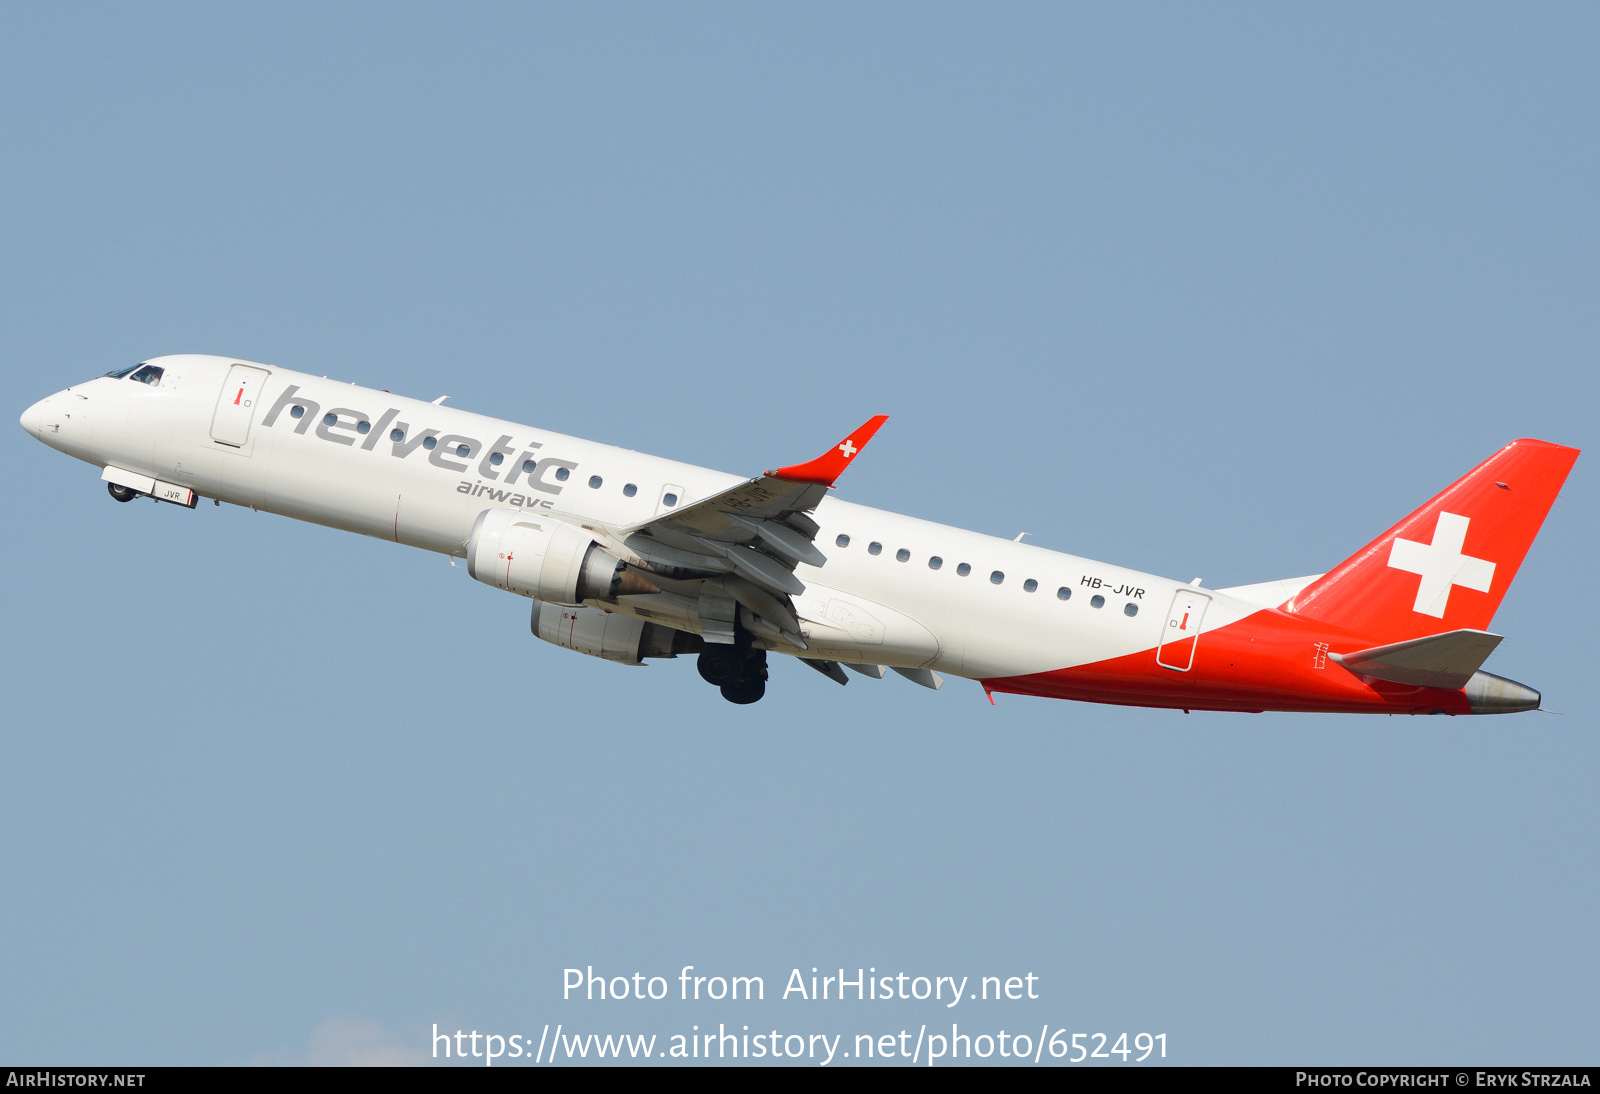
826	468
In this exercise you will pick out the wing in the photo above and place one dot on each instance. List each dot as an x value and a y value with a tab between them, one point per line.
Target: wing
743	544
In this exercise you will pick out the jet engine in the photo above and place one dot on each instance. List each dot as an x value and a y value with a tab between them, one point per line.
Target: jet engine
611	635
546	559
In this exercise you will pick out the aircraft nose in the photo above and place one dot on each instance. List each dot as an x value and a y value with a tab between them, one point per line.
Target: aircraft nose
33	419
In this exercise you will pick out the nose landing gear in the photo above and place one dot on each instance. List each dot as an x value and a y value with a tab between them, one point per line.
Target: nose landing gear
738	670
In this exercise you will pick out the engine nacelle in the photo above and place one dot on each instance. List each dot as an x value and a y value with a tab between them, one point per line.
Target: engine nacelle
611	635
545	558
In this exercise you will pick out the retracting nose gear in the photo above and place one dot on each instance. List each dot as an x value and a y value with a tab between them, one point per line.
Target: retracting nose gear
127	485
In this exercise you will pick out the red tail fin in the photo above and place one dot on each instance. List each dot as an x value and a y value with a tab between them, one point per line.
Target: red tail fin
1446	566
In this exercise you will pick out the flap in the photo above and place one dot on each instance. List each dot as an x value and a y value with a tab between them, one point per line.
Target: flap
757	529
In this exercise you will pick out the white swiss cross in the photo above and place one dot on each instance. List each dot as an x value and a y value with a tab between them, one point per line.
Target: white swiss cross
1441	565
847	448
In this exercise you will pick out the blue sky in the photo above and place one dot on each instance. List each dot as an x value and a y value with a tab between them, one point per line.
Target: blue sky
1216	291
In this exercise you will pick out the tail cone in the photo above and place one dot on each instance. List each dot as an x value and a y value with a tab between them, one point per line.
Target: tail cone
1491	694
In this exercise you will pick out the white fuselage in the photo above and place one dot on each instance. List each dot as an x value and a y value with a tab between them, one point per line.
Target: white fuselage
882	606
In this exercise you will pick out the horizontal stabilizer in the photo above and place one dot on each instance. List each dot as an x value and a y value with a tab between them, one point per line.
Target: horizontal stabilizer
1445	660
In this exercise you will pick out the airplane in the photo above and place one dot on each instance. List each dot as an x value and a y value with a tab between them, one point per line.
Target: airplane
629	557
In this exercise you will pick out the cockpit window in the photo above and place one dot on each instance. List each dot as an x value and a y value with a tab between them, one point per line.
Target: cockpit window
118	374
147	374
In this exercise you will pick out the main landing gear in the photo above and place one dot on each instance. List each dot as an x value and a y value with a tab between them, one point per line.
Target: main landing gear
739	670
121	493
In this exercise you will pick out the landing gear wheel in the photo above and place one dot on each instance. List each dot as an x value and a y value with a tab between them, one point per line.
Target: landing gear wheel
751	683
121	493
719	664
745	691
741	672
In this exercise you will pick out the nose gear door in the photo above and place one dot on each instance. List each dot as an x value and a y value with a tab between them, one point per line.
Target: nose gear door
230	425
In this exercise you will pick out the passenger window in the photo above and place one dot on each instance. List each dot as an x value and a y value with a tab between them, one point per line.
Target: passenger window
669	500
874	548
963	570
595	481
563	474
430	443
1097	601
397	435
935	562
463	450
1130	610
996	578
364	428
528	466
629	490
1029	585
330	419
902	555
1063	593
297	411
495	458
842	541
